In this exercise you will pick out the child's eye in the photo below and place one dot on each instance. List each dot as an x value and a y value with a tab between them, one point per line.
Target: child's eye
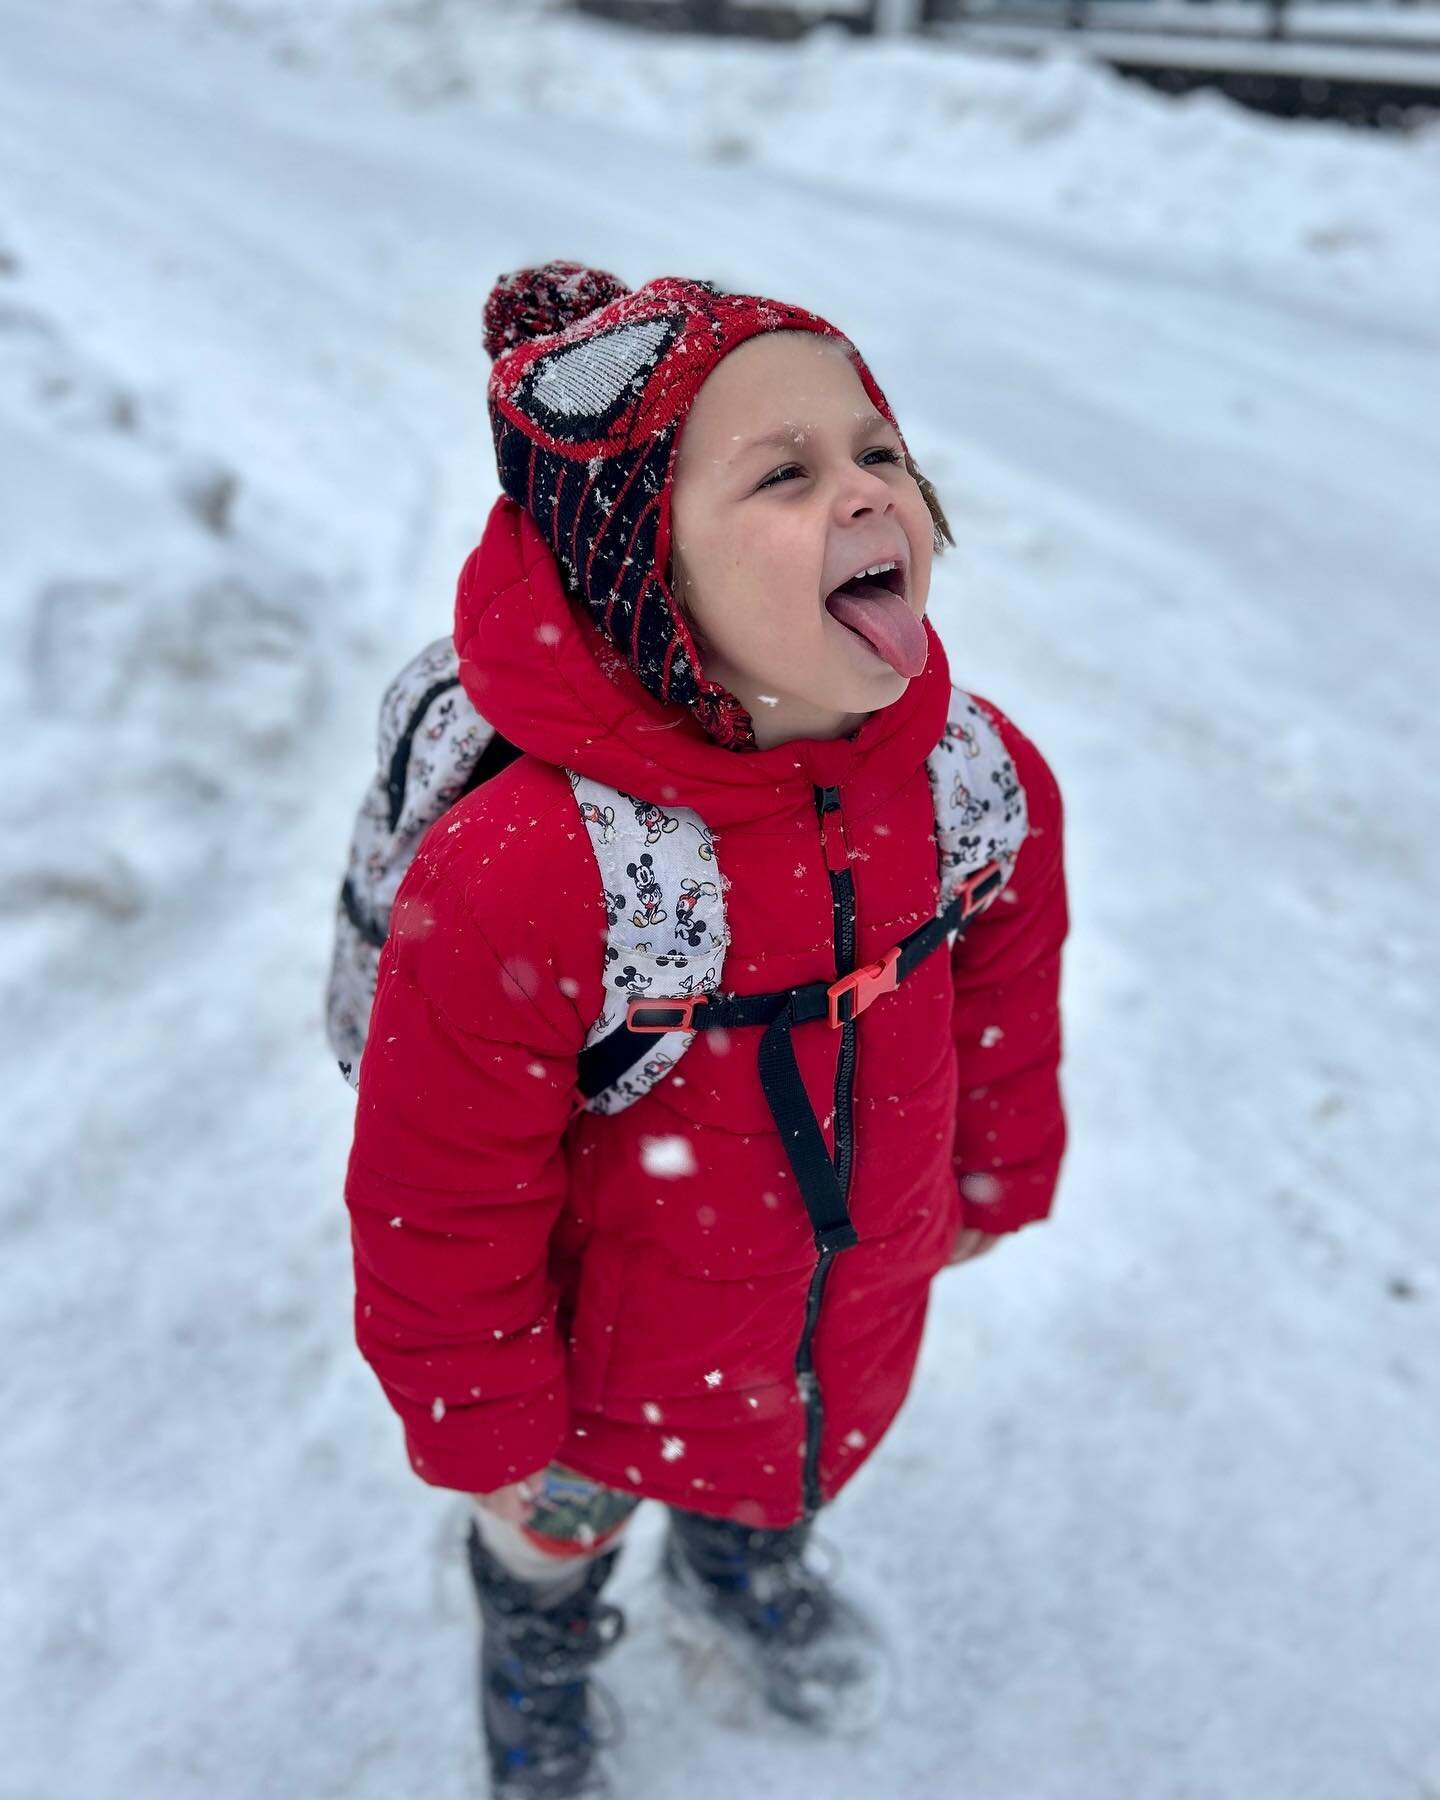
771	480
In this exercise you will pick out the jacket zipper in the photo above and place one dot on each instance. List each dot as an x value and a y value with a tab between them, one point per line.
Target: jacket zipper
842	903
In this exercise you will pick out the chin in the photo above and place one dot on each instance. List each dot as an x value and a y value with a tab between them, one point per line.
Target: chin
886	681
867	699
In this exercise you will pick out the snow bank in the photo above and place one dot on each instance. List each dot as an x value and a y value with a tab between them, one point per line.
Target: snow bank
1057	142
158	658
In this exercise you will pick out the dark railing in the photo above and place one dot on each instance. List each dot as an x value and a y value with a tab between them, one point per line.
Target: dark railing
1275	55
1372	65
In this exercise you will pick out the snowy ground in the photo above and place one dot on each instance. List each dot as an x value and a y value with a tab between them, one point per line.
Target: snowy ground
1159	1517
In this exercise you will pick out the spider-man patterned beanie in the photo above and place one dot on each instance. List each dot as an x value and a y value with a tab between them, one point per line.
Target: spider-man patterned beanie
590	387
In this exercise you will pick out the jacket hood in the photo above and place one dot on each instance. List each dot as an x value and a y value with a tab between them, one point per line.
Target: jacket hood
538	668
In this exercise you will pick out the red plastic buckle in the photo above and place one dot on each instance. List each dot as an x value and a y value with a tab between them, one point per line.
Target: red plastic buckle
686	1009
967	889
864	984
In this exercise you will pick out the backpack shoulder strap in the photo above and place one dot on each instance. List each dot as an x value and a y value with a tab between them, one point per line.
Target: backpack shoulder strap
980	812
666	932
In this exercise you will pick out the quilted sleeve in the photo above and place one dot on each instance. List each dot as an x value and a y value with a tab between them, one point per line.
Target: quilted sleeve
1010	1127
456	1173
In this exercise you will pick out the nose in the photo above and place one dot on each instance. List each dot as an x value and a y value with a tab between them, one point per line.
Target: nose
865	491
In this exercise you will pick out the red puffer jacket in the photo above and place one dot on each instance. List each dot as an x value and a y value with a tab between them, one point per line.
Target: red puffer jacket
535	1281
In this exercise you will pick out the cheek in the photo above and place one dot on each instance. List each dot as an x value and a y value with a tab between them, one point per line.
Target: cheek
754	593
790	573
774	588
920	534
768	627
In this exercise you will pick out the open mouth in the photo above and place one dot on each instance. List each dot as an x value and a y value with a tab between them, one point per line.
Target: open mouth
875	608
887	580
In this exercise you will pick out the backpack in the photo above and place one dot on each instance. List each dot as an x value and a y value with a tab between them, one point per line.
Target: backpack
664	902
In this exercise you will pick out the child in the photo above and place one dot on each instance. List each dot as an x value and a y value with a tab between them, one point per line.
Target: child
714	1296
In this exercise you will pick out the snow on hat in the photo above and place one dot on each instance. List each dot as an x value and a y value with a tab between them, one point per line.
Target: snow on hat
590	387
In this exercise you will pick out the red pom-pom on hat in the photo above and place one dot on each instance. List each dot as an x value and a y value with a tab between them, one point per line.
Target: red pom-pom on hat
532	303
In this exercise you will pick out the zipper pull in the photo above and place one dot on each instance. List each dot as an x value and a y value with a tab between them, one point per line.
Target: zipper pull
832	830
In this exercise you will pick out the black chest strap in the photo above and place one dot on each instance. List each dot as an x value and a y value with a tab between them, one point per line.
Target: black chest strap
838	1002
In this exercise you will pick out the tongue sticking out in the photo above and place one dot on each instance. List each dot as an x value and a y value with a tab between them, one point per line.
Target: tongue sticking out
886	623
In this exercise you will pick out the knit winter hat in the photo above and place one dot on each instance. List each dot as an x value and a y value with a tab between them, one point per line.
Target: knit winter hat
589	390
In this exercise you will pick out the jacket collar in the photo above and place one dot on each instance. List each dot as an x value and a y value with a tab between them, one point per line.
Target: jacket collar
541	672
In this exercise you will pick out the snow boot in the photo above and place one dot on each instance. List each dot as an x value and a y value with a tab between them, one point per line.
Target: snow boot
746	1591
535	1697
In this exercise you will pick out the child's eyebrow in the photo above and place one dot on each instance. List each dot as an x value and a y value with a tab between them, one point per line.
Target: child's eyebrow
786	435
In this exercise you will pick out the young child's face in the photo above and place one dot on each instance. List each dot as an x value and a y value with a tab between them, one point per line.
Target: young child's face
764	532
